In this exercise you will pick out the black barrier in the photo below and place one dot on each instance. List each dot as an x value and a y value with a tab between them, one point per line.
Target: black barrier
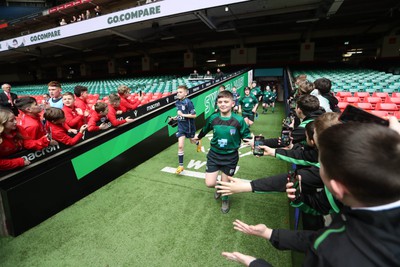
56	180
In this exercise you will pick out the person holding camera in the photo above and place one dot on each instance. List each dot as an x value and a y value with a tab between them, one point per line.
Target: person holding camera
307	109
359	161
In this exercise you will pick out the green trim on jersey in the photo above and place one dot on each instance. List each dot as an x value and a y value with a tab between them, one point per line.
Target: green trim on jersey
322	237
331	200
228	132
297	161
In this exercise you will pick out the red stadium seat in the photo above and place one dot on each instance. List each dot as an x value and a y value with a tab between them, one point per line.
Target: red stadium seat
373	100
362	95
395	94
391	108
343	95
352	99
342	105
365	106
395	100
382	95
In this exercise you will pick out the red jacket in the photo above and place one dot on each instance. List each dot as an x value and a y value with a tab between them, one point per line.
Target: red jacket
11	144
94	118
33	125
59	133
72	118
79	103
112	116
126	105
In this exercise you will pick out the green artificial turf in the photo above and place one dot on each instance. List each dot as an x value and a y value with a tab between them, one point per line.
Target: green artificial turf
148	217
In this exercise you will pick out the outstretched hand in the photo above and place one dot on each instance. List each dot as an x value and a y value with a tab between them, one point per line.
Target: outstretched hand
238	257
234	186
260	230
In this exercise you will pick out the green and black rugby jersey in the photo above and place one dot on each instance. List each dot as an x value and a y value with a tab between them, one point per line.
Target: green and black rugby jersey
227	132
247	103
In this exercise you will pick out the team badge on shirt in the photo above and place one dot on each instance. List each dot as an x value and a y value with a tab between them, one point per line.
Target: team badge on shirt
232	131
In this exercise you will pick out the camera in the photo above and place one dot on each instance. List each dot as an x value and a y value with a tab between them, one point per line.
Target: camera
352	113
285	137
292	177
258	141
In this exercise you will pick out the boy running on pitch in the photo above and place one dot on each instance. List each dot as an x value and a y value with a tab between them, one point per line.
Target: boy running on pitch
228	131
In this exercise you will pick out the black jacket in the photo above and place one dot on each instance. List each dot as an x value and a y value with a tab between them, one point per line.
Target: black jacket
354	238
4	102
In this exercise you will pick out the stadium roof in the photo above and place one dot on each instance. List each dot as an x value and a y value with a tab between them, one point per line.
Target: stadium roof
275	27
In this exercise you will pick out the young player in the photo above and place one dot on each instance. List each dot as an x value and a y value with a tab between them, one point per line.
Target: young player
186	126
228	131
236	97
248	106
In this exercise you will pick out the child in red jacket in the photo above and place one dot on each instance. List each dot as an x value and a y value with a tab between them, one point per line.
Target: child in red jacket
14	139
99	116
126	104
55	118
113	110
29	117
74	116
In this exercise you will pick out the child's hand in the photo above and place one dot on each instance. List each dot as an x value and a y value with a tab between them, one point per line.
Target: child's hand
74	131
268	151
180	113
260	230
26	162
194	140
79	111
119	112
129	119
234	186
53	143
83	128
104	126
238	257
86	113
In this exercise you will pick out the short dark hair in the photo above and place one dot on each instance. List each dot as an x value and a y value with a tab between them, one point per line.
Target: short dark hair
24	102
226	94
307	104
53	114
365	157
323	85
79	89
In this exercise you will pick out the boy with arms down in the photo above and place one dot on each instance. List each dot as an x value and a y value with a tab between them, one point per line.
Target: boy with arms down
228	131
360	165
29	117
186	126
248	106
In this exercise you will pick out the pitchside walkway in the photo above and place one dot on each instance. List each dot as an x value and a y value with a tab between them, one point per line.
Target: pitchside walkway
151	217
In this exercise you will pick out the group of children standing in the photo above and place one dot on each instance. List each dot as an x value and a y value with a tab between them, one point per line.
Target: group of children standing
61	119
